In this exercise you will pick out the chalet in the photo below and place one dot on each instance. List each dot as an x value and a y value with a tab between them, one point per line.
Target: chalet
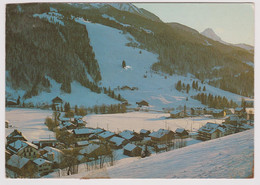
217	113
92	136
82	133
45	142
105	136
181	132
7	155
53	154
64	119
239	111
7	123
68	125
11	102
144	133
197	111
233	120
146	141
23	149
93	150
43	166
162	135
14	136
177	114
250	114
211	131
117	142
130	135
57	102
78	120
21	166
82	143
98	130
132	150
142	103
160	147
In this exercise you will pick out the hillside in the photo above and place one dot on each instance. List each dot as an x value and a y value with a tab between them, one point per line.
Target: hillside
76	50
227	157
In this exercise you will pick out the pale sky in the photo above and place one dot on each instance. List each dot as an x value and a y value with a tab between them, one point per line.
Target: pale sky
233	22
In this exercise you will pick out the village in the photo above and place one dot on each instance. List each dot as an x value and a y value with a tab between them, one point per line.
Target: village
79	144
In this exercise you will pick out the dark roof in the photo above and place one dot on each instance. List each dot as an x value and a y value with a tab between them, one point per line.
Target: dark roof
17	134
57	100
145	103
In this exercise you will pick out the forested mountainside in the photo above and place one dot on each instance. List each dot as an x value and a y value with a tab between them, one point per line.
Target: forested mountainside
45	40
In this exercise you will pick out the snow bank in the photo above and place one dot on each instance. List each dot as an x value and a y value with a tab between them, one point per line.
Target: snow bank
227	157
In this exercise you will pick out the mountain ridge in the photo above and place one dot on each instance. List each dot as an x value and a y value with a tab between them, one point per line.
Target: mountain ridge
208	32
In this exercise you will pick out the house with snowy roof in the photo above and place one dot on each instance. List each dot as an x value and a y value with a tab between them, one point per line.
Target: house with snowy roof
92	150
218	113
105	136
177	114
211	131
130	135
117	142
82	143
82	133
45	142
160	147
23	148
21	166
233	120
57	102
181	132
52	154
67	125
162	135
197	110
132	150
14	136
43	166
144	133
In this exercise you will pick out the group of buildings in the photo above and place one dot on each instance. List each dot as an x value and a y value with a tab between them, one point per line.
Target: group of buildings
38	158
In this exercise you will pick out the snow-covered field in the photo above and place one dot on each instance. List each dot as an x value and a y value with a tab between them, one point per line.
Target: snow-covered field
145	120
227	157
30	122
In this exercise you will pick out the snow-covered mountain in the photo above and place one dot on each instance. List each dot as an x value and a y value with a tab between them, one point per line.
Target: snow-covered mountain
75	51
208	32
212	35
127	7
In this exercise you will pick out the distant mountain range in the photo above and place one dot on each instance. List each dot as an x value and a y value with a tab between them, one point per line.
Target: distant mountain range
212	35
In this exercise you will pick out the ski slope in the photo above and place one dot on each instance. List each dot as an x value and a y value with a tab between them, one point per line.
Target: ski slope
227	157
109	45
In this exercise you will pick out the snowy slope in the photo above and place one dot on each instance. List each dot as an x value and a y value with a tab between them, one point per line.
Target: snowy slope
227	157
79	96
109	45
